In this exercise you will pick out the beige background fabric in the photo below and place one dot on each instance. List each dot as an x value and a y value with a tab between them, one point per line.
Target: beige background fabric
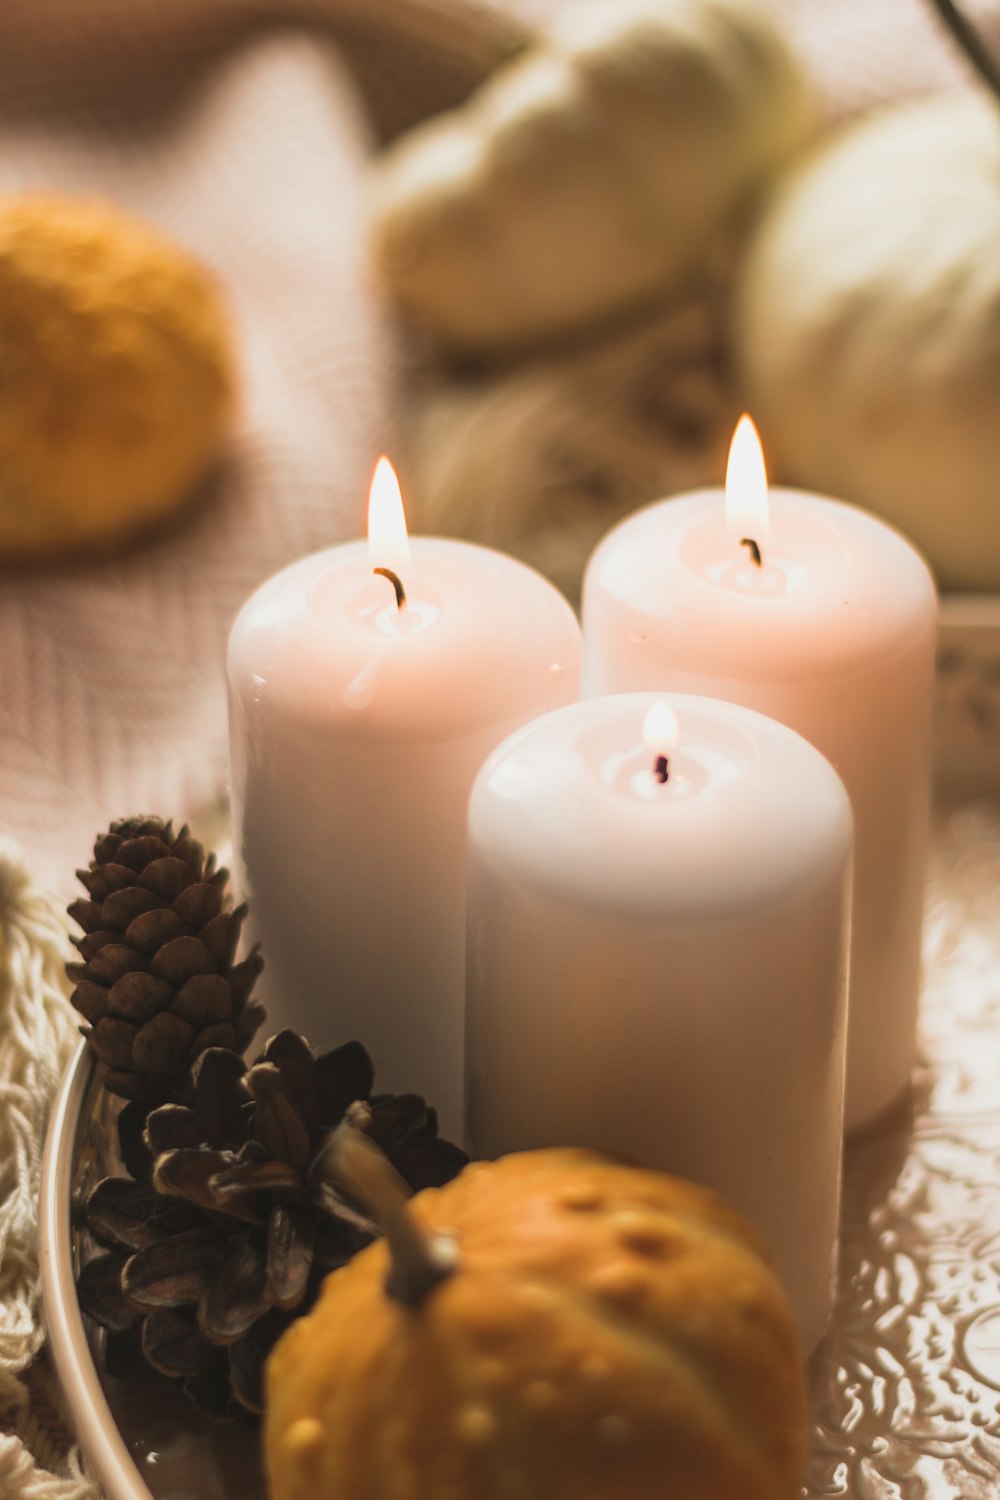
247	140
246	131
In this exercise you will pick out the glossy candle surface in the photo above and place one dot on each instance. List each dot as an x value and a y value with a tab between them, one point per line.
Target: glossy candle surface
659	968
357	728
834	635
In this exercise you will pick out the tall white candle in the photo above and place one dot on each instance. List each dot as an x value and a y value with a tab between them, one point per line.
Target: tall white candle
833	633
357	727
658	966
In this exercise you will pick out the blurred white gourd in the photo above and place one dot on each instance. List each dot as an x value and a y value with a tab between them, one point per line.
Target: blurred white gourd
588	177
867	327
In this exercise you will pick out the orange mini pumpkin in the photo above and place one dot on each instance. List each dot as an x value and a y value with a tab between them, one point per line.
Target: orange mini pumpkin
602	1333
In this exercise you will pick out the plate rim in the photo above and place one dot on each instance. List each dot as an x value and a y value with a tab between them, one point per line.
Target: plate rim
103	1446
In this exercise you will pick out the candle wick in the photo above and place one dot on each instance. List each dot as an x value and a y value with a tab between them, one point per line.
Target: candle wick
661	769
751	546
396	582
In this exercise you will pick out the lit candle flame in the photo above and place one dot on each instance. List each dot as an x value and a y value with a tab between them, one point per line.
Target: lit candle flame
660	731
388	541
747	510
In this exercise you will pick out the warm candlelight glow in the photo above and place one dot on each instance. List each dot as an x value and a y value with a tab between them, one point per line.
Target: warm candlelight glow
747	511
388	541
660	730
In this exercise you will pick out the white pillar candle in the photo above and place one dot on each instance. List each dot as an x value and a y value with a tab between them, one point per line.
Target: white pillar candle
833	633
658	967
357	727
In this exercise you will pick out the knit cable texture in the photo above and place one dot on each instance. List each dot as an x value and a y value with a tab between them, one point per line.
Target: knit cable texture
38	1460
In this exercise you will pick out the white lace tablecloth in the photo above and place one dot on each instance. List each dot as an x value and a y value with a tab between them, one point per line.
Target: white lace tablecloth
906	1386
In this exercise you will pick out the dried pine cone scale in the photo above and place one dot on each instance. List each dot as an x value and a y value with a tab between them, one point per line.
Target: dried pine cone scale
157	981
291	1254
175	1346
239	1293
99	1288
122	1214
175	1271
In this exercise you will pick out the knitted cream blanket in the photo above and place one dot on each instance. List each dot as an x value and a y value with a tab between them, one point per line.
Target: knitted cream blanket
37	1034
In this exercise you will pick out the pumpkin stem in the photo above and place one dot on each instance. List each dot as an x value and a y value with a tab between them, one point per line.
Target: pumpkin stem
419	1259
971	43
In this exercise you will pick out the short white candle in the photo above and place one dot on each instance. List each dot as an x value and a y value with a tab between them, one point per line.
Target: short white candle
357	727
833	634
658	967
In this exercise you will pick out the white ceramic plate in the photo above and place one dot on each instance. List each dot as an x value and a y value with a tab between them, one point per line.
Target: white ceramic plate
142	1441
96	1428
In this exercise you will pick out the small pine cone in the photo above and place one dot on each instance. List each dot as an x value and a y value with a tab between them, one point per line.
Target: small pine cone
157	983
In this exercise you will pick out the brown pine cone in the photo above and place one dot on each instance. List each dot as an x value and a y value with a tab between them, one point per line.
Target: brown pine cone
230	1222
157	983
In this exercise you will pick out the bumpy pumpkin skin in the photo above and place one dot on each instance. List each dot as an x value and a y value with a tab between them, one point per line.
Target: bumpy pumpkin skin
117	375
611	1334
